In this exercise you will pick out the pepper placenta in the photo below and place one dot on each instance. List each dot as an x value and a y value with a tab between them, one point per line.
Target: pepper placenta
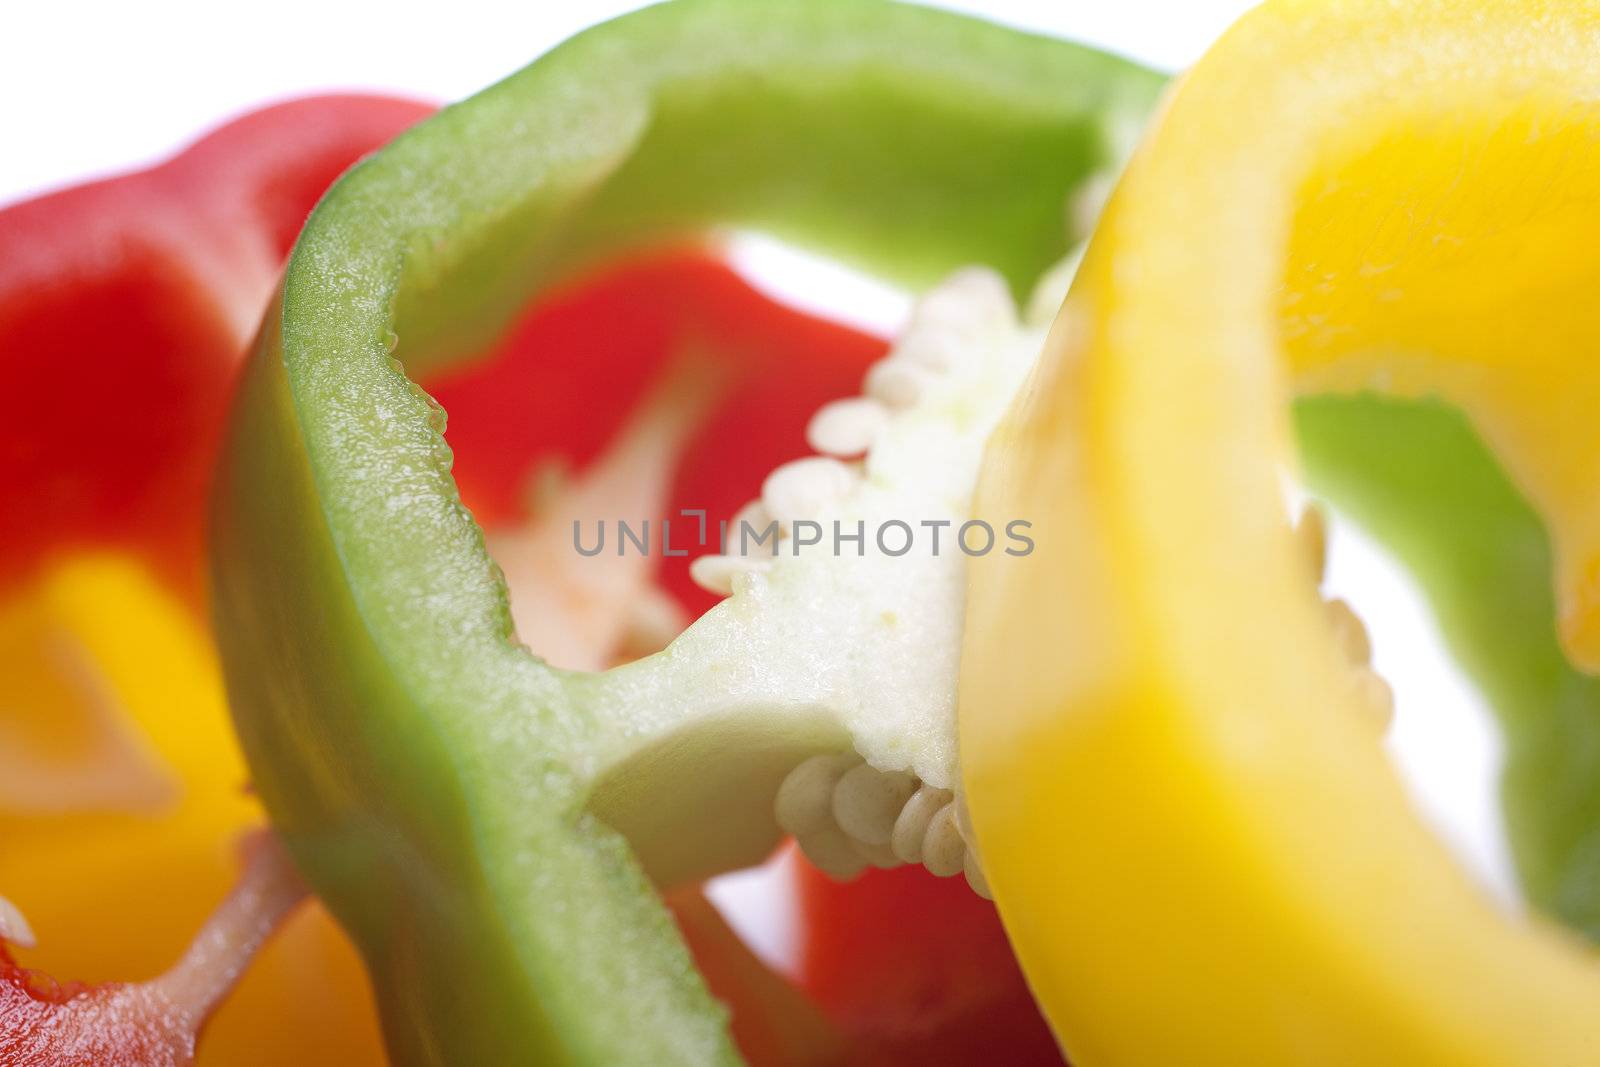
430	776
1195	839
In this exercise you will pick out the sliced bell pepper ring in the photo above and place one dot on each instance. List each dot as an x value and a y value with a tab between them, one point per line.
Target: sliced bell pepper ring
428	774
125	305
1192	833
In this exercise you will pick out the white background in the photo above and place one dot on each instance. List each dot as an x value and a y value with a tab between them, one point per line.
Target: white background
89	89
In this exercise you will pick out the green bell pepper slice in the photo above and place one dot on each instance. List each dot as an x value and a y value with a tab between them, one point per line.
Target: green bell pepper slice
428	774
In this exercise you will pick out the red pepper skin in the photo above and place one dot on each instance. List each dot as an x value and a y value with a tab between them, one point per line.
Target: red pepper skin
104	1026
919	969
125	305
44	1023
569	374
895	968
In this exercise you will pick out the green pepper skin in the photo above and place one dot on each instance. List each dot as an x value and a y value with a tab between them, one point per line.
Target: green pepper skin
428	774
1416	475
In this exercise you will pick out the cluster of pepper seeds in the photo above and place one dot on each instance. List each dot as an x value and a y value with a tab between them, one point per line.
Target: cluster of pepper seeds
844	813
965	312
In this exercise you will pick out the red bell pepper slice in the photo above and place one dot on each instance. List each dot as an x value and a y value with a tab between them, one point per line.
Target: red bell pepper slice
125	305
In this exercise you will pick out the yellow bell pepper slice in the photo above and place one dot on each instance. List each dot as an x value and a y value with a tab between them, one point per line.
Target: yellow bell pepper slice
121	836
1200	850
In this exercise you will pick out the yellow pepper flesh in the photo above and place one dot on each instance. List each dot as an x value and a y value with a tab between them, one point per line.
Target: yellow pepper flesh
107	669
1198	845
